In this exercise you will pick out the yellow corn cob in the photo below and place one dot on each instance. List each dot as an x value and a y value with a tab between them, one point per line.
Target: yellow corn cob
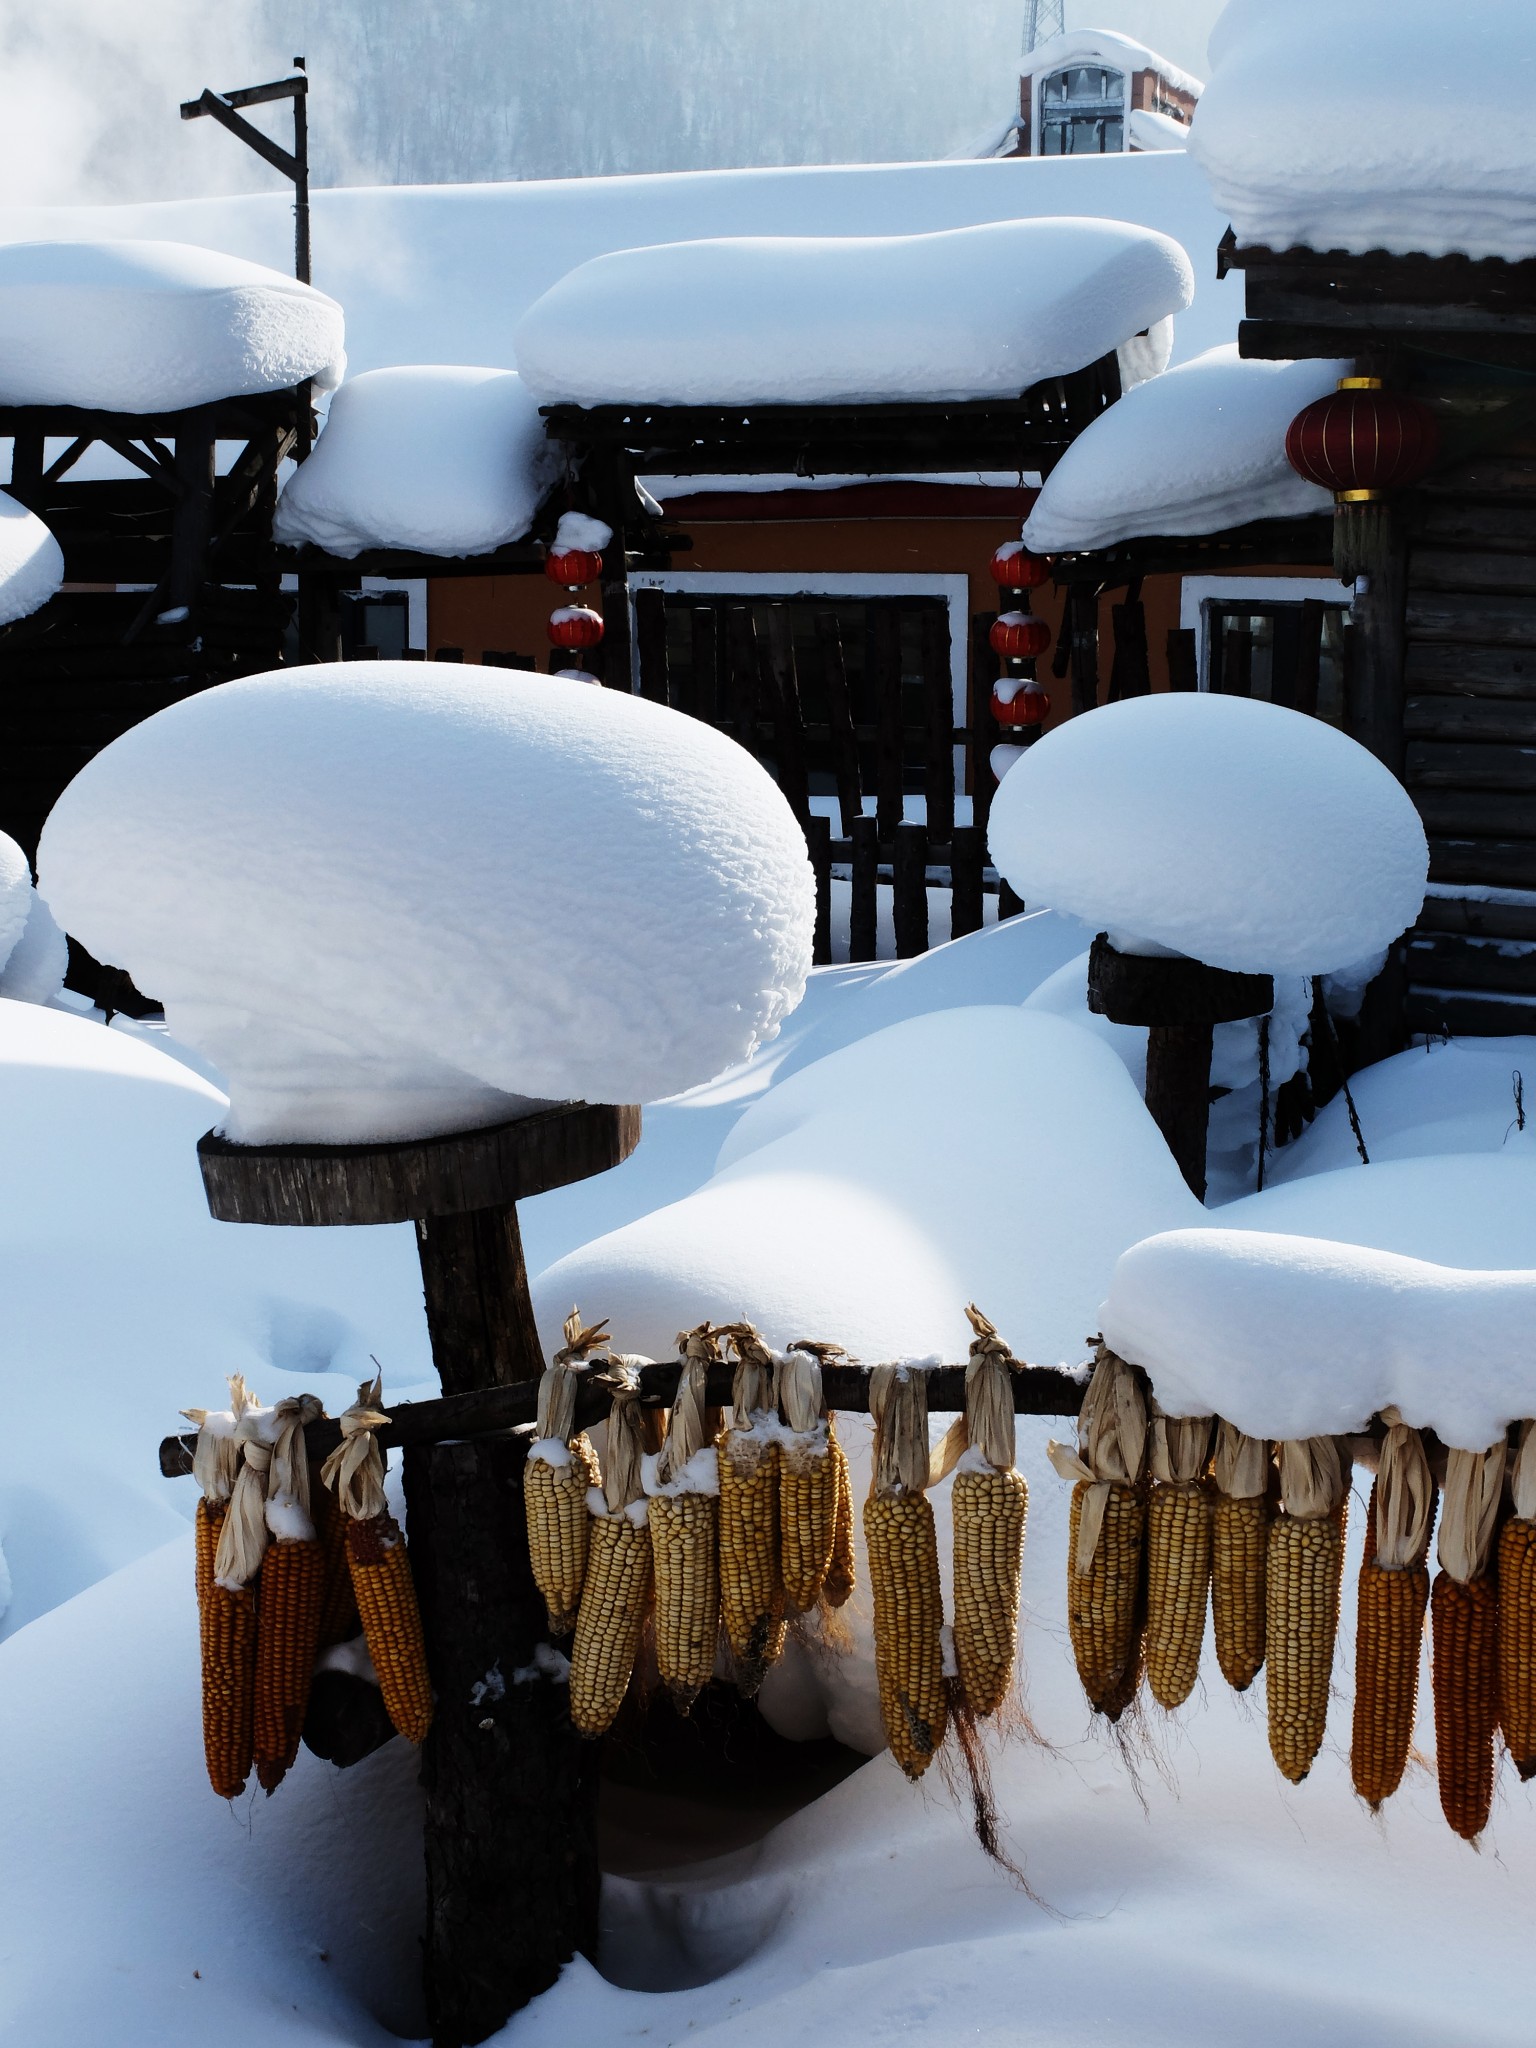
1239	1545
1465	1671
909	1659
1178	1583
684	1538
386	1601
1517	1641
988	1510
1105	1603
228	1635
338	1604
1389	1638
559	1529
808	1492
292	1588
1302	1579
614	1602
210	1520
837	1586
751	1591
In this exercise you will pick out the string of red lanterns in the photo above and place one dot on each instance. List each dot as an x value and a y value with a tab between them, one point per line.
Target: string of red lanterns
1019	704
574	627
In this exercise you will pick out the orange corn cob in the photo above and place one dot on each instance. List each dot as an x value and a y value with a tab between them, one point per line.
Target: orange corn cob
229	1686
292	1587
1517	1641
1465	1635
839	1582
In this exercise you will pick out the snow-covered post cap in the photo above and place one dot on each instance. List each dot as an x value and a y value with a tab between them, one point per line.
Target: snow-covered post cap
392	900
1232	831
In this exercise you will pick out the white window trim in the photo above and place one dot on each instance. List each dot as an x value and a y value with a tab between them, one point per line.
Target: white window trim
954	590
1198	590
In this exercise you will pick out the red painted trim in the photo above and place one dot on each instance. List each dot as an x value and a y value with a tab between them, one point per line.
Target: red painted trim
856	501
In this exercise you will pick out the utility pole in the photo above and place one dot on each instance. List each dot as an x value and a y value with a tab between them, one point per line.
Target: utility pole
1042	20
294	163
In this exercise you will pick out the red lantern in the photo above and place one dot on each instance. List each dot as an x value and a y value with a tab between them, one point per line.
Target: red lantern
1029	705
1361	441
573	567
1018	637
1015	568
575	625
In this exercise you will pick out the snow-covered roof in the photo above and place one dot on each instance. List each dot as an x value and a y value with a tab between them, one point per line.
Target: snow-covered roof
1377	125
149	326
31	561
1148	129
964	313
447	460
443	273
1224	828
1104	46
1197	450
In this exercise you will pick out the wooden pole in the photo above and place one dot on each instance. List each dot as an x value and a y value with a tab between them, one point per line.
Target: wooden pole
510	1820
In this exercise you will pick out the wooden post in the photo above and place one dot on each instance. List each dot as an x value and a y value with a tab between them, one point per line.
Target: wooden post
1084	602
1374	710
938	694
1309	655
1180	1001
863	925
781	690
882	664
741	675
699	700
1183	659
1237	662
909	890
192	520
511	1842
818	833
844	741
965	892
1130	672
651	639
618	654
985	670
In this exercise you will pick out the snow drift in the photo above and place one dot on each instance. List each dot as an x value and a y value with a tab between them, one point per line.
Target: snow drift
1197	450
1381	125
155	326
442	459
1243	834
400	898
977	312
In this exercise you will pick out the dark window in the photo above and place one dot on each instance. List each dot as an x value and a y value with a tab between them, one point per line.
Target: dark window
1082	111
379	619
1261	650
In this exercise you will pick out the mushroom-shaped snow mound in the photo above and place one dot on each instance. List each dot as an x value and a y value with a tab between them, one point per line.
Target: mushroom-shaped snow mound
155	326
15	895
1239	833
978	312
443	459
31	561
394	899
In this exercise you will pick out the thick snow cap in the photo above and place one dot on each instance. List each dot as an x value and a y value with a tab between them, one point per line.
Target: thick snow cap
1385	124
443	459
1197	450
1299	1336
1244	835
979	312
31	561
391	899
155	326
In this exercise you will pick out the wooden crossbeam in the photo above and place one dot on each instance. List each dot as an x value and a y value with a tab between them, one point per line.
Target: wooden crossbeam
1037	1390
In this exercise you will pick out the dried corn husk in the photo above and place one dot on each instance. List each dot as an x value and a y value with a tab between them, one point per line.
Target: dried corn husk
616	1596
751	1581
988	1504
683	1486
561	1467
1105	1569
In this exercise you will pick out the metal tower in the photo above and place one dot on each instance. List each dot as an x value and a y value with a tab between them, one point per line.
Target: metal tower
1042	20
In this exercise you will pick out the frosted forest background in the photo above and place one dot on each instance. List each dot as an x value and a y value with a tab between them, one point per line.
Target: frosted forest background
434	91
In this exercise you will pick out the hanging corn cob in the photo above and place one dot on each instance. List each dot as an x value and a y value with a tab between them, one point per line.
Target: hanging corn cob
751	1588
1178	1553
1239	1547
560	1471
988	1504
381	1571
904	1571
1517	1609
339	1621
1394	1591
226	1621
683	1484
808	1477
1465	1618
215	1463
837	1587
616	1595
292	1588
1106	1599
1303	1568
229	1620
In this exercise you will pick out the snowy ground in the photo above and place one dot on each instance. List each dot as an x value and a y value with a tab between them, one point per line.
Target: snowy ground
958	1147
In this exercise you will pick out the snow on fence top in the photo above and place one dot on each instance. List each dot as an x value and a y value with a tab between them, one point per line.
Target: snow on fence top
31	561
155	326
980	312
441	459
1299	1336
394	899
1197	450
1379	125
1244	835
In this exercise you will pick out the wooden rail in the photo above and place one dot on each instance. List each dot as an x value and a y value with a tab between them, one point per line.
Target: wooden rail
1037	1390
